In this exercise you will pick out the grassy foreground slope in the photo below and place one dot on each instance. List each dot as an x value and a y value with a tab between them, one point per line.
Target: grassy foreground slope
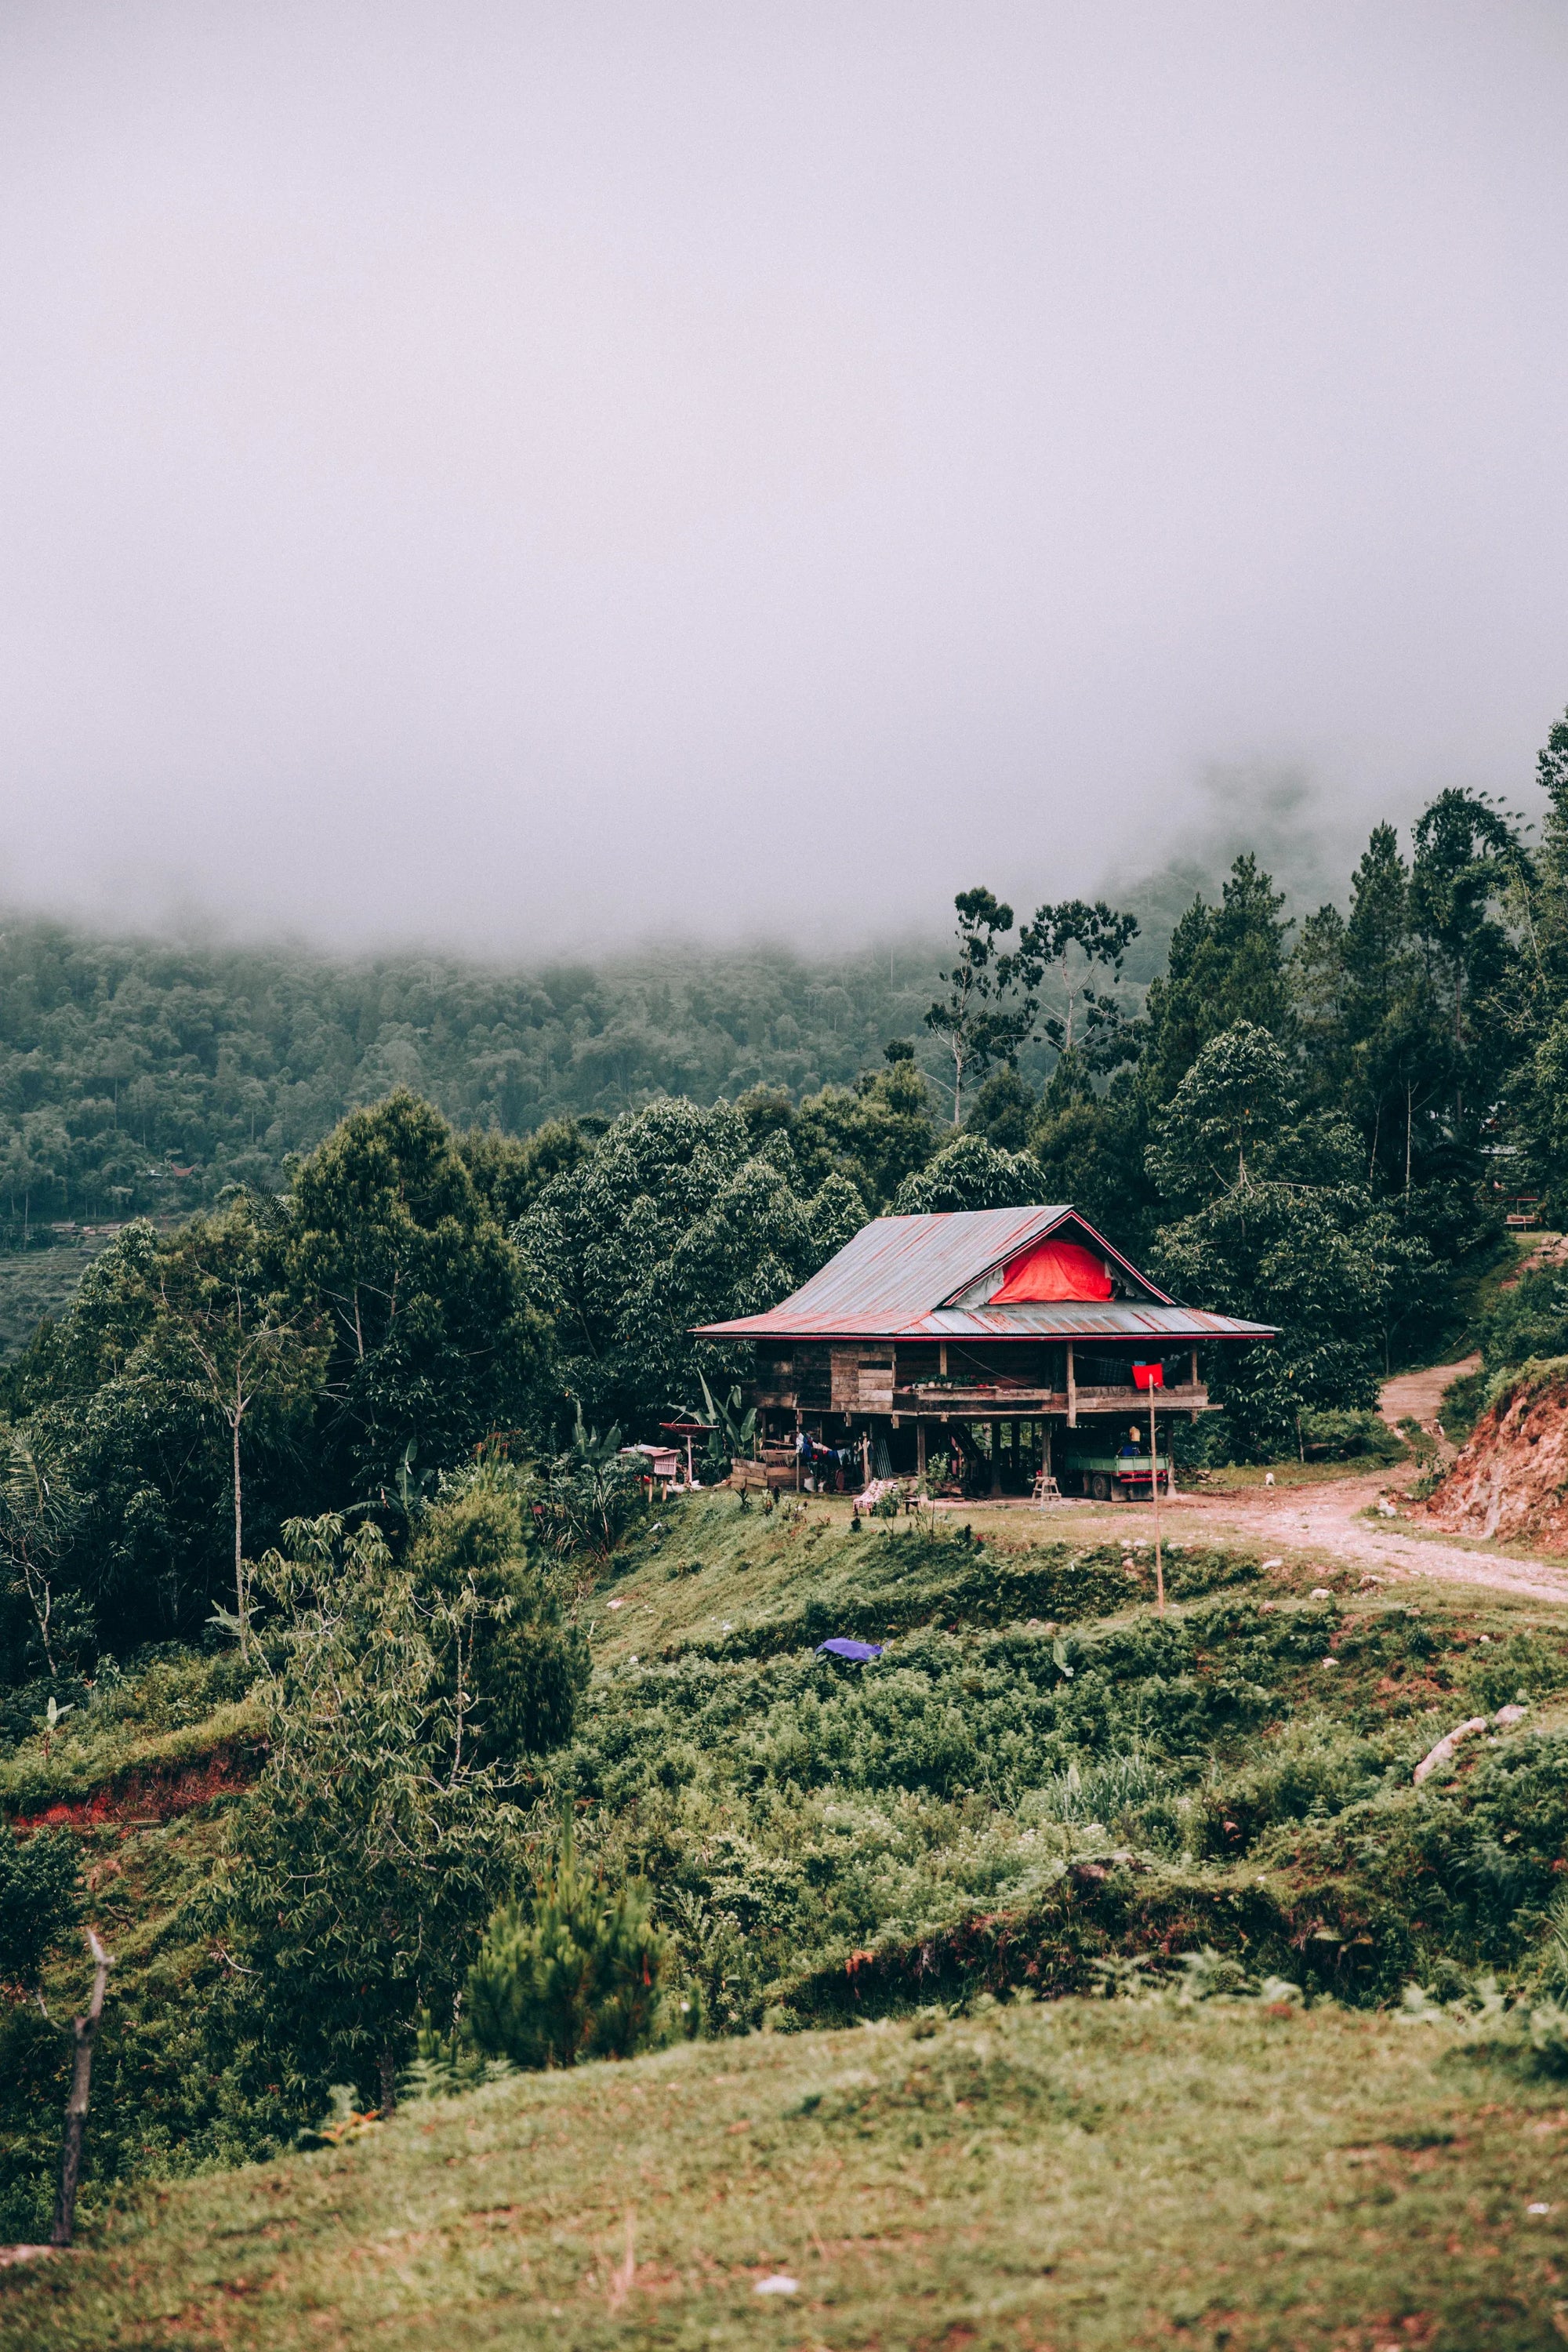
1039	1771
1039	1781
1093	2176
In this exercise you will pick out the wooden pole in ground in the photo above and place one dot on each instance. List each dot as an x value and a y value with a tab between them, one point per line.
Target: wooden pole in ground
83	2030
1155	1491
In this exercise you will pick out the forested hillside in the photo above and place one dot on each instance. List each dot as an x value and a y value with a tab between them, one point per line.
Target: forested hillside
1315	1125
137	1077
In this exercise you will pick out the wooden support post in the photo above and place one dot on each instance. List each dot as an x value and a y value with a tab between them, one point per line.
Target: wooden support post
996	1457
1072	1390
920	1448
83	2030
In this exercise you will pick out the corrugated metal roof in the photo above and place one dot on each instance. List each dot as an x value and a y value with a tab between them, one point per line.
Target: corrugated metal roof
890	1280
896	1269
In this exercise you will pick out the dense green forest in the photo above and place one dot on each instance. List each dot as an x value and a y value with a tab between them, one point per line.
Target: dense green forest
139	1076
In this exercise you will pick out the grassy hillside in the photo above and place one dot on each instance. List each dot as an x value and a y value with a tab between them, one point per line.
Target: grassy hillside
1098	2176
1039	1781
1035	1745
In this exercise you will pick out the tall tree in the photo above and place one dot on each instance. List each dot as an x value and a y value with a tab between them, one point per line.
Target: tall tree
678	1218
874	1133
250	1352
989	1010
38	1509
1274	1221
1466	852
1227	964
1083	948
429	1342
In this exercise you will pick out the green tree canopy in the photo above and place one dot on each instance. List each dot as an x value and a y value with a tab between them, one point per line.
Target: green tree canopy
675	1219
970	1174
419	1286
1227	964
989	1010
1276	1223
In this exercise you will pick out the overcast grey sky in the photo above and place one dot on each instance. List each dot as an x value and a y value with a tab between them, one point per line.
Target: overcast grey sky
536	474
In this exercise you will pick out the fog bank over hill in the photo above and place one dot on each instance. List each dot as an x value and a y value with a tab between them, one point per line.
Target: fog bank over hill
524	479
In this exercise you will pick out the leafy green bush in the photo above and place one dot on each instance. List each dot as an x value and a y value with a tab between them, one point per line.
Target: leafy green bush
1529	1320
588	1497
1515	1670
575	1972
1328	1435
1325	1434
38	1900
1464	1401
376	1838
523	1657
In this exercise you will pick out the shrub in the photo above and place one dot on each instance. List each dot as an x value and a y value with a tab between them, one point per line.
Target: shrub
575	1973
1328	1435
37	1901
375	1841
1463	1403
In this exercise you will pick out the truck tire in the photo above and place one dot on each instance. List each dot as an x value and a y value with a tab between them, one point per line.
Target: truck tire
1100	1486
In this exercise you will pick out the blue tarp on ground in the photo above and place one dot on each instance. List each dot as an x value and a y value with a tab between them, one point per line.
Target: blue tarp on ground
859	1651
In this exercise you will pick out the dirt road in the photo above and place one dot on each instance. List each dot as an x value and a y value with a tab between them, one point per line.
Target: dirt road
1328	1517
1416	1396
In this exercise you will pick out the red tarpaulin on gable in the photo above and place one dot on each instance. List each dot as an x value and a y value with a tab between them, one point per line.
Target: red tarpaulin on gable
1052	1270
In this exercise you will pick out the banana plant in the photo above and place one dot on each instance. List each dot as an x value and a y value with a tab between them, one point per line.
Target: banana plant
734	1432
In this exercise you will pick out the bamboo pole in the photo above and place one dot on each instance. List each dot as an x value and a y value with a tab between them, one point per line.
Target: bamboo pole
1155	1491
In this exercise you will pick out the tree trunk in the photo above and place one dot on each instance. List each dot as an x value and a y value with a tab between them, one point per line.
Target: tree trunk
388	2080
83	2030
239	1544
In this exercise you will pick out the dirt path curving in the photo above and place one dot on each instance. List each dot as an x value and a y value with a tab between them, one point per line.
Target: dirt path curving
1416	1396
1327	1518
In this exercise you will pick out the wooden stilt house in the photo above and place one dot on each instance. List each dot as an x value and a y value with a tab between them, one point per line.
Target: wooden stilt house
1014	1340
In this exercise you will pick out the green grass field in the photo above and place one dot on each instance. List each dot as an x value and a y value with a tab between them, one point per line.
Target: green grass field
1078	2175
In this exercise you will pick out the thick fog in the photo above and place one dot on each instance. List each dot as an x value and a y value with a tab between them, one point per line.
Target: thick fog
556	474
